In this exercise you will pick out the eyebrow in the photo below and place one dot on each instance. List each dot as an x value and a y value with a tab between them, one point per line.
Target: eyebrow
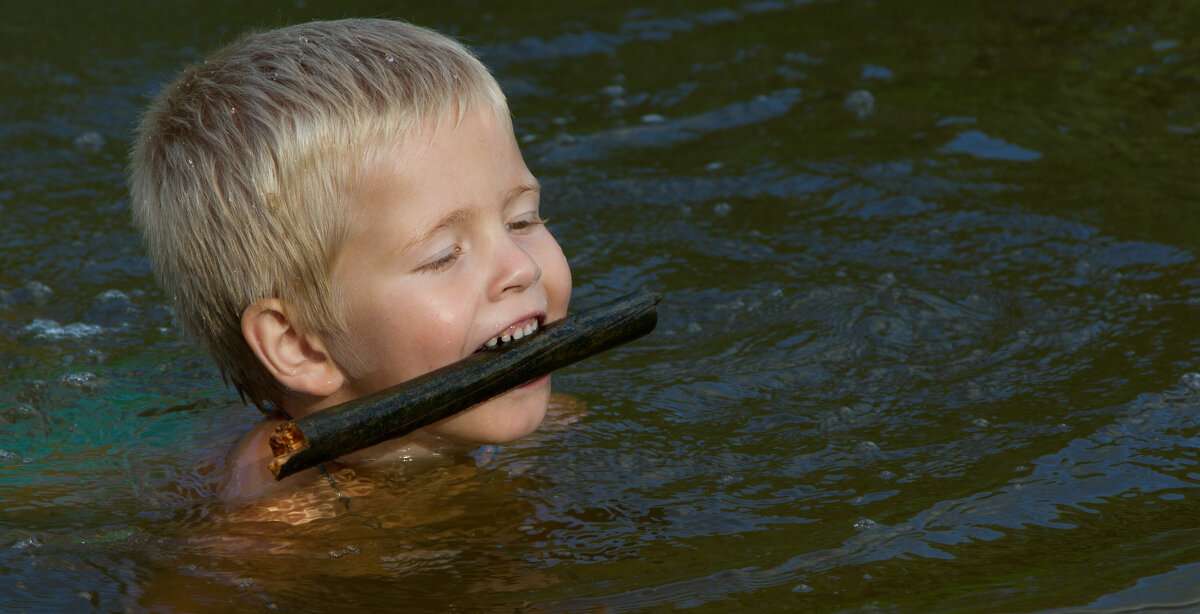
458	216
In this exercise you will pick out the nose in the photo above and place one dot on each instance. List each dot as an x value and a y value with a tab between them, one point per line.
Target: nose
514	270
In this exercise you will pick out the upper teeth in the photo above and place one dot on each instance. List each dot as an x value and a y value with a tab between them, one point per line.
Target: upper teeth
516	334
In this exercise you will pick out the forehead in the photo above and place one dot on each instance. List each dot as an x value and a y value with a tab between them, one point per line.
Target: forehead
437	167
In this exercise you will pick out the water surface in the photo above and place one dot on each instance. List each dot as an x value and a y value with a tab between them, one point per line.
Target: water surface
929	341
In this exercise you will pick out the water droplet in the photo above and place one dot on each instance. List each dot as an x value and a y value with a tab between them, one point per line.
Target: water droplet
802	588
390	59
887	475
714	166
981	423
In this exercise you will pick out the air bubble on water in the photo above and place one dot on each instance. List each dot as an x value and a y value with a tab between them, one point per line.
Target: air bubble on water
89	141
28	542
51	329
887	475
886	279
866	524
1191	381
714	166
871	71
981	423
722	209
33	291
653	118
83	380
775	293
866	447
337	554
694	327
861	103
615	90
802	588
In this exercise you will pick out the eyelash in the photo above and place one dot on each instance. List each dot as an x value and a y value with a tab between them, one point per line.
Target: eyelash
525	224
444	262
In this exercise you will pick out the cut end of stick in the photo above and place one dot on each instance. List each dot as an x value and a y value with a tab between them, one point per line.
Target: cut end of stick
276	465
287	439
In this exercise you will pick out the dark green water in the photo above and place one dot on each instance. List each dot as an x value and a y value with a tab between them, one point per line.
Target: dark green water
930	341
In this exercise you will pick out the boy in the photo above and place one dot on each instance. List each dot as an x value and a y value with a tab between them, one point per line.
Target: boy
337	207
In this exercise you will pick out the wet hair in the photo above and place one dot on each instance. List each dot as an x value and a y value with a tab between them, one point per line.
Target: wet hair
245	165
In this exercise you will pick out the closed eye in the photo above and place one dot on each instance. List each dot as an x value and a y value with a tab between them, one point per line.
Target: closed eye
525	223
442	263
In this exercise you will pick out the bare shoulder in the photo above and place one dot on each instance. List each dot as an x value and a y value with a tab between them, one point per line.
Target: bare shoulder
247	477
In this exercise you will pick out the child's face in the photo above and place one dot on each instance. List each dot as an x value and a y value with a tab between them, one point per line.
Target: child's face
446	251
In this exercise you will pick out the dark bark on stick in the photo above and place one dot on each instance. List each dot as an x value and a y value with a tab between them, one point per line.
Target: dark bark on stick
394	412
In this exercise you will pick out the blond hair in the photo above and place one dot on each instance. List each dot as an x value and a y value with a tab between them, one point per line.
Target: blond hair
244	168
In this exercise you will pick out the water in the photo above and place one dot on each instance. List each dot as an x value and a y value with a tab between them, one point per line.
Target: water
929	341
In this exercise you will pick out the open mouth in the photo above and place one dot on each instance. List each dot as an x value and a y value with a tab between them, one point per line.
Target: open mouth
512	333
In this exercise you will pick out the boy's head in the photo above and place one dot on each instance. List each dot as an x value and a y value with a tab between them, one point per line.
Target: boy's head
247	169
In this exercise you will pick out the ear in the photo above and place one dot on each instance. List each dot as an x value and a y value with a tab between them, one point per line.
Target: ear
298	361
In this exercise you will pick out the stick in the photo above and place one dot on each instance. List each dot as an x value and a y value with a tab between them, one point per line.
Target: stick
394	412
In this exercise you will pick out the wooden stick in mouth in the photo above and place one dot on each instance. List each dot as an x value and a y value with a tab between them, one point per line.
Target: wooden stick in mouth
397	411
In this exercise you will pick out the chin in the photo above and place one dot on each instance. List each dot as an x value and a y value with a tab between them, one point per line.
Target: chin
504	419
